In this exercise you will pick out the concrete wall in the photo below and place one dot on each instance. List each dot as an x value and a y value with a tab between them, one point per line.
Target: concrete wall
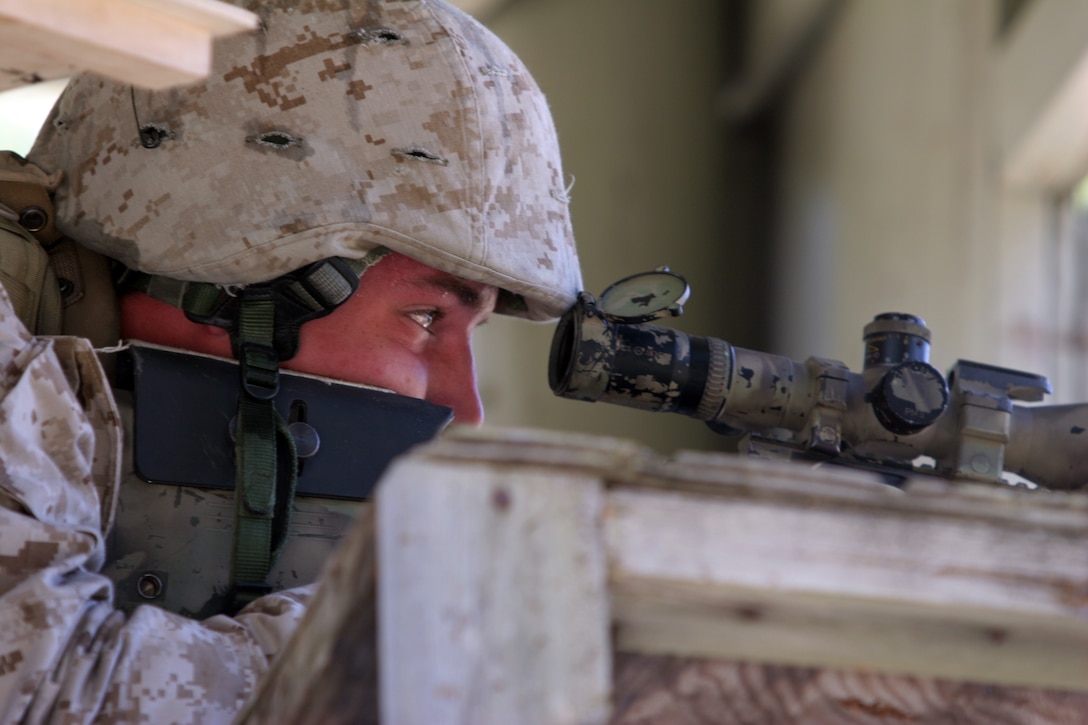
880	143
895	195
632	85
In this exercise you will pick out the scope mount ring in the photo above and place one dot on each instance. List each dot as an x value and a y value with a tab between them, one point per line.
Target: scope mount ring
645	296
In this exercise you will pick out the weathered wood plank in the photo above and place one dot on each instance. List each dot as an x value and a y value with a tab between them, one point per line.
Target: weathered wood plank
525	578
493	601
943	580
664	690
150	44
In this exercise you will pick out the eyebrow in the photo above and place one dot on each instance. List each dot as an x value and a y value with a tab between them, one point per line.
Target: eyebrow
465	293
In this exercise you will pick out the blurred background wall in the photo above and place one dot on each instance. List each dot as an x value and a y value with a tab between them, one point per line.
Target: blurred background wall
925	169
659	179
808	164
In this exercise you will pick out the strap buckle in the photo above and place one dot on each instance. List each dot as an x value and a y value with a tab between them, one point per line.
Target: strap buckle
259	369
300	296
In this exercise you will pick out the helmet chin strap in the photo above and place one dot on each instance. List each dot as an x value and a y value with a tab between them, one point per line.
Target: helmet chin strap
263	321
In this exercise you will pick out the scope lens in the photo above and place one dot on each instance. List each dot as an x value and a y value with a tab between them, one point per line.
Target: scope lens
561	360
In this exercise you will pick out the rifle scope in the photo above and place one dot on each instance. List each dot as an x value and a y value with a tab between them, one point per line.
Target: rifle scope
595	357
898	409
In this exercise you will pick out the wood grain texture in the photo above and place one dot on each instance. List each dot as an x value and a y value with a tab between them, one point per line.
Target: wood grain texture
493	596
664	690
790	565
153	44
531	578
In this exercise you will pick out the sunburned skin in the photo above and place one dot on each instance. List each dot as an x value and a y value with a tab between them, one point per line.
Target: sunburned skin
408	328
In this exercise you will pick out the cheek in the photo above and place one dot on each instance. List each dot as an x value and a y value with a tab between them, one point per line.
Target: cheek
401	373
366	357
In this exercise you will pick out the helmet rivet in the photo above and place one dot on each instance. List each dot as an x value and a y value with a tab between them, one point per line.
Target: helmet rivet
152	136
33	218
276	139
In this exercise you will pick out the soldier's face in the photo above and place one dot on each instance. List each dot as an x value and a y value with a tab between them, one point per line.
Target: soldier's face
408	329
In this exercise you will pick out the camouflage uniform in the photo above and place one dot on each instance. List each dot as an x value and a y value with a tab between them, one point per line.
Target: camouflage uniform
65	654
340	126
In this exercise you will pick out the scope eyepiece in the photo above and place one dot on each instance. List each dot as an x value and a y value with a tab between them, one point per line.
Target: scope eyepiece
594	358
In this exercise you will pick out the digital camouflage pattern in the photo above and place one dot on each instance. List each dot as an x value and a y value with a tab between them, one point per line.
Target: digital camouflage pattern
26	272
66	655
339	126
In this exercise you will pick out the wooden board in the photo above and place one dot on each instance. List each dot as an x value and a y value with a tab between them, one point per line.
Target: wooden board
328	673
492	600
663	689
527	577
150	43
811	595
785	564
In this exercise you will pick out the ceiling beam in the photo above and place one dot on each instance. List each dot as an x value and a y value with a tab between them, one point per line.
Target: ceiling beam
149	43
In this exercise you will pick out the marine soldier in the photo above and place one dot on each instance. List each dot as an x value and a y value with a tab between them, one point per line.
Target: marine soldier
400	141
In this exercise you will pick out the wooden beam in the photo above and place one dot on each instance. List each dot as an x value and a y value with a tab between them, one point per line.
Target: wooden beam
538	578
783	564
724	557
150	44
218	18
694	691
493	604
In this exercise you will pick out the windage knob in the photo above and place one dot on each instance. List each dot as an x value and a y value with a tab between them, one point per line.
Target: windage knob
910	397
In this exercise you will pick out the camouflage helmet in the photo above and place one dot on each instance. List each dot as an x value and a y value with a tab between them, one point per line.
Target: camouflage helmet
338	127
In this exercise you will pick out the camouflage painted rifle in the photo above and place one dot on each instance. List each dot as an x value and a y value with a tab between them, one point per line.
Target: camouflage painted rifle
899	415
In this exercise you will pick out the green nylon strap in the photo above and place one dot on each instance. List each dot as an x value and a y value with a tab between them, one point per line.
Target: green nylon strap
259	317
265	457
202	298
255	490
195	297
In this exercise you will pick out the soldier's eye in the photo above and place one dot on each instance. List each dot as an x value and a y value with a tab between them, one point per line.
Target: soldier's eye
424	318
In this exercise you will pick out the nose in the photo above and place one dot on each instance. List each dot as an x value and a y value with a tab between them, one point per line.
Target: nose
452	383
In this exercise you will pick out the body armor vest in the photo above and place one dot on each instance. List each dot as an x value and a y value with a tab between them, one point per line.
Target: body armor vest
171	542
